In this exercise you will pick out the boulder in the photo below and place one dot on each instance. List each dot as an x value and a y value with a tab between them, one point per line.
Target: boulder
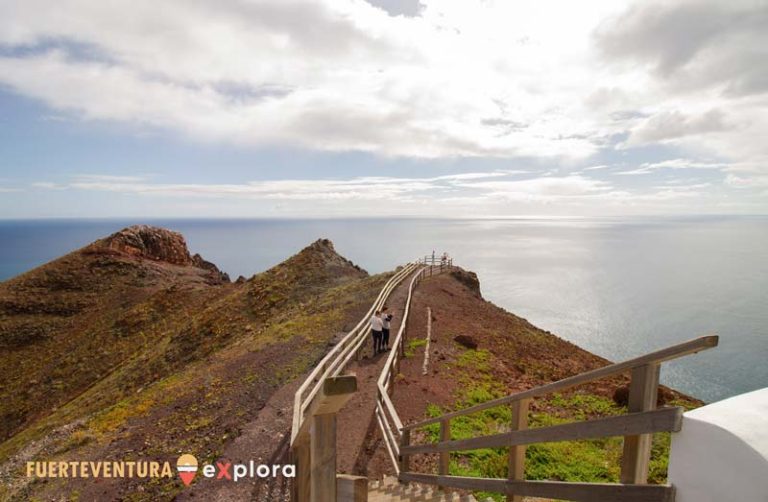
621	396
466	341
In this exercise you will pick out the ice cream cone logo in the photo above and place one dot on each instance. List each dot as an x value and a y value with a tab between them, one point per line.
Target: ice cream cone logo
187	467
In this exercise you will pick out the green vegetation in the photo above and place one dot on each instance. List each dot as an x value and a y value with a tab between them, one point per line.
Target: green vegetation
475	360
585	461
163	361
414	344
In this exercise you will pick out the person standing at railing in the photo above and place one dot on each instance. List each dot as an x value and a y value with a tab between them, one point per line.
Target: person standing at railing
377	324
386	319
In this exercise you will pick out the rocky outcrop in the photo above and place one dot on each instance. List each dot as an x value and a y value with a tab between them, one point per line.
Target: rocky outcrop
157	244
320	261
217	275
468	279
466	341
146	241
323	250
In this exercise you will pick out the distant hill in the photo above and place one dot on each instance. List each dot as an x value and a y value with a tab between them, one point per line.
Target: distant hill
132	345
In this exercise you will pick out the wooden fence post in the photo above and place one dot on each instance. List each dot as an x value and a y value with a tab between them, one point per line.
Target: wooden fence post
425	365
445	456
351	488
517	452
643	392
315	447
405	459
301	458
322	439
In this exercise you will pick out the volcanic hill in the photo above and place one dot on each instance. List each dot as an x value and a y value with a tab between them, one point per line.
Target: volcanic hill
133	348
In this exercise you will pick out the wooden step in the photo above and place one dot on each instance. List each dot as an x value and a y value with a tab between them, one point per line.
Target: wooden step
391	490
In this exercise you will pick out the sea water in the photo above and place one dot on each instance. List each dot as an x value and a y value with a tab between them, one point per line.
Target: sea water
616	287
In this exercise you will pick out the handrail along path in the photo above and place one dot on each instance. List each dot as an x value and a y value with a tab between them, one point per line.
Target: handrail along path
637	428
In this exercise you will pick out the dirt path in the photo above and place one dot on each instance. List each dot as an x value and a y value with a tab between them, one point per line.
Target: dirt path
266	439
356	421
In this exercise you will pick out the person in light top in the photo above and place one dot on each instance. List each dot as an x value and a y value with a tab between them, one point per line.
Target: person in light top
386	319
376	326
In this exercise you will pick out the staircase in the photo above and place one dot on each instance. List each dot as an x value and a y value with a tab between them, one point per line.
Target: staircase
390	490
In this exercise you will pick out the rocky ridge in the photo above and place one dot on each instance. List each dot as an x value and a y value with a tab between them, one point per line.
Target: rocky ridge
154	243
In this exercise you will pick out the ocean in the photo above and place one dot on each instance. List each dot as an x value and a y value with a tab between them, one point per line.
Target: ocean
616	287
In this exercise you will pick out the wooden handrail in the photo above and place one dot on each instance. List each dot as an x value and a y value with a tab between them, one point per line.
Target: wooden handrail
661	420
667	354
363	336
333	362
636	427
398	339
390	407
385	409
389	440
384	405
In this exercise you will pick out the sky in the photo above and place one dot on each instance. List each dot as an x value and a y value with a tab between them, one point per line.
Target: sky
456	108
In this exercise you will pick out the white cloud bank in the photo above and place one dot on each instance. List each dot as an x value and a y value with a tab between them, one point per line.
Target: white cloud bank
554	80
465	194
462	78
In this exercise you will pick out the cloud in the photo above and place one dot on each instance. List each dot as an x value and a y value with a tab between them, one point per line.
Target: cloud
693	43
671	125
649	167
359	188
548	188
695	74
451	79
588	91
426	79
480	187
746	181
480	193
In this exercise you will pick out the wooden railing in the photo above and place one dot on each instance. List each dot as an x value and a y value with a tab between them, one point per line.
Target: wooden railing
317	401
438	263
637	428
389	421
341	354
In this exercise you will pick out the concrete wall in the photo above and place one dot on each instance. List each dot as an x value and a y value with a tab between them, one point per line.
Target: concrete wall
721	454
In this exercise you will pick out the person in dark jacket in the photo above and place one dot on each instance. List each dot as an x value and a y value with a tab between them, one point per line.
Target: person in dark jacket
386	319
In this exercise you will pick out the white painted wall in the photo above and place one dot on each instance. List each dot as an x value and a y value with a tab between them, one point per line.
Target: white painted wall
721	453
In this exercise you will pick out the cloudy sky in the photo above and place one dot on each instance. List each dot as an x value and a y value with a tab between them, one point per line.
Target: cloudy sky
353	108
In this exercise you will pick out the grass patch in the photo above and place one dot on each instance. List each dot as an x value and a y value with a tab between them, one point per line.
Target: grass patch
474	360
596	461
414	344
581	406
